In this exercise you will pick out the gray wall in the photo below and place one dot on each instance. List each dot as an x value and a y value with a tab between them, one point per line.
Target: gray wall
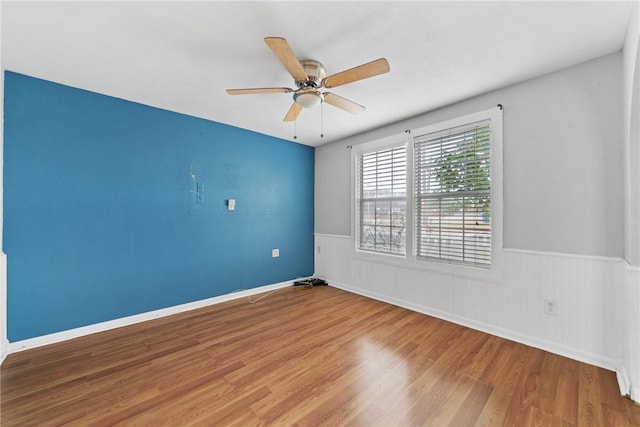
563	142
632	229
630	73
332	189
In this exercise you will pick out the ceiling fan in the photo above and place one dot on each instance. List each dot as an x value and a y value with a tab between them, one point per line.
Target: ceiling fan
309	77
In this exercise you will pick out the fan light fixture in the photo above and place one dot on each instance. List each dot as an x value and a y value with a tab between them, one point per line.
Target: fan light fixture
308	99
309	78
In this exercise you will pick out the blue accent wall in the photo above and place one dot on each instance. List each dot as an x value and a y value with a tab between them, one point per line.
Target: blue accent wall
113	208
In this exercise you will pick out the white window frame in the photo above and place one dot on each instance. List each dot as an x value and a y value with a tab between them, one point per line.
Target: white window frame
380	145
442	235
494	273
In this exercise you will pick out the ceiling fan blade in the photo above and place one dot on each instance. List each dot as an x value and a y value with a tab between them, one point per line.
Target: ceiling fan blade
256	90
293	112
283	51
343	103
370	69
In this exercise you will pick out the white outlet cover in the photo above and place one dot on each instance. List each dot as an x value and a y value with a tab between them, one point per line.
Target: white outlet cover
275	253
550	307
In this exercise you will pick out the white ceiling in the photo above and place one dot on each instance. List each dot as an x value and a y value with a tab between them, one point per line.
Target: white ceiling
181	56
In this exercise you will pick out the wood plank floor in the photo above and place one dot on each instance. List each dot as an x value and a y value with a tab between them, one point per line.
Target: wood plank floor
306	357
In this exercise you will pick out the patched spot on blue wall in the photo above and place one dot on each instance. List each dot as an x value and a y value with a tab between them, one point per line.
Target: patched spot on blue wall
113	208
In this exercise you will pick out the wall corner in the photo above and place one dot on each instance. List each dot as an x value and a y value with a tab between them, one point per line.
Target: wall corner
628	370
4	342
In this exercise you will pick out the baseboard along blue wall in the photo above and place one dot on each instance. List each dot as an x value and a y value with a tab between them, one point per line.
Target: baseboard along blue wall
113	208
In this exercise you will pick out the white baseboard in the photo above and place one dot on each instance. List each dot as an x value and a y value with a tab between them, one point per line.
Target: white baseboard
552	347
138	318
623	380
4	350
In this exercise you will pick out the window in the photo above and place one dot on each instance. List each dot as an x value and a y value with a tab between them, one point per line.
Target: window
382	200
452	170
434	200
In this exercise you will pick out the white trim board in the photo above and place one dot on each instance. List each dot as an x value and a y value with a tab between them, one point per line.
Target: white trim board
623	380
335	236
630	267
564	254
57	337
552	347
4	350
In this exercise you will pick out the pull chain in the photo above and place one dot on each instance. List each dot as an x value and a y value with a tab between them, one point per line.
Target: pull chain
322	119
295	128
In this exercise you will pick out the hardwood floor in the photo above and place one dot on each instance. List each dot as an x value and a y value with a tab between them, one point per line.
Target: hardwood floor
307	357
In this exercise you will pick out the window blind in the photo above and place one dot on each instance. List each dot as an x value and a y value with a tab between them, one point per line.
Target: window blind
382	201
453	194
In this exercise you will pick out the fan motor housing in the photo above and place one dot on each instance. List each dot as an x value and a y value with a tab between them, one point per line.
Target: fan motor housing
315	73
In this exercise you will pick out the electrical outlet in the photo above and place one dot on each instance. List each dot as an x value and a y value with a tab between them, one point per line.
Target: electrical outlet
550	307
319	249
275	253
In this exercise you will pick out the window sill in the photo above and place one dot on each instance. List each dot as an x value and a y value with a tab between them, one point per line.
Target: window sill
493	274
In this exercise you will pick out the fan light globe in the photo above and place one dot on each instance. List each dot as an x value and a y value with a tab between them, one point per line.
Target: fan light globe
308	99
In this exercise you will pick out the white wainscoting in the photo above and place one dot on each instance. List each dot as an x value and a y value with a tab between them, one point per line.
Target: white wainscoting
588	292
629	370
